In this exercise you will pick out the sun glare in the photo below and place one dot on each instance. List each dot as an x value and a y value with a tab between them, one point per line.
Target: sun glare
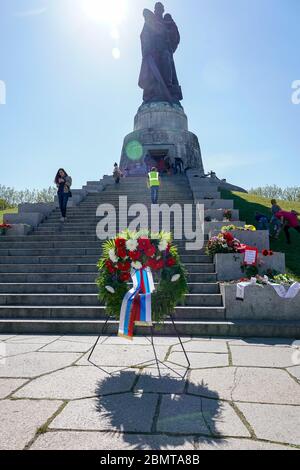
105	11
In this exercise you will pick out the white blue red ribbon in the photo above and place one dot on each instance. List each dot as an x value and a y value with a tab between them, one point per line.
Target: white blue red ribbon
136	306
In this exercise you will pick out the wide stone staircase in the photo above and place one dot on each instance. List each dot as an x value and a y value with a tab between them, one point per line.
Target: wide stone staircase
47	279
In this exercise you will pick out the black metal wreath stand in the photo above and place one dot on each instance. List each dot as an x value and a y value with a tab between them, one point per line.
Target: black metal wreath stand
157	361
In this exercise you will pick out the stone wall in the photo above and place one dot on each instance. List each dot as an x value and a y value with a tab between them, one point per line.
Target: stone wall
260	303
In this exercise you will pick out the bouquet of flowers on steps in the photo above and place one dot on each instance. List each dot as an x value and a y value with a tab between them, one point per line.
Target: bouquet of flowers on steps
152	264
4	228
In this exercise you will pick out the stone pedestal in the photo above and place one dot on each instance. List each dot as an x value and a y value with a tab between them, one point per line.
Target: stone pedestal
160	130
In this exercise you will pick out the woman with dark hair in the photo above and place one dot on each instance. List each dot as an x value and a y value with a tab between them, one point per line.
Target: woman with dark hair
63	182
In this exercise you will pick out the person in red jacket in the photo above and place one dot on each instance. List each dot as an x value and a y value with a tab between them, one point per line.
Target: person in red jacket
289	220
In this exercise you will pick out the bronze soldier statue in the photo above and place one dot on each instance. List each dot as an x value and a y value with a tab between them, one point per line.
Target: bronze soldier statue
160	39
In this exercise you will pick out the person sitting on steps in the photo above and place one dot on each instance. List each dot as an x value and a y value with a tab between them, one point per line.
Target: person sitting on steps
63	182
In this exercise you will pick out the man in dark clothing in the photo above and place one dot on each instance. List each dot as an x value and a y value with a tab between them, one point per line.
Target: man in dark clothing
178	165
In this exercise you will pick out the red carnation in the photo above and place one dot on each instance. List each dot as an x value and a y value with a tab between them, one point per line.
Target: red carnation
110	266
271	253
229	238
265	252
121	252
125	277
155	265
121	243
144	244
124	267
150	251
160	264
171	262
135	255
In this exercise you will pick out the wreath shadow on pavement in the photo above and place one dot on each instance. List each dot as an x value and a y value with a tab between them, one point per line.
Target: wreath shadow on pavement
158	412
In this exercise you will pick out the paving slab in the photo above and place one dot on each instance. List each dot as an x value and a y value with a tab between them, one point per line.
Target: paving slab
237	444
261	356
189	414
200	360
170	340
274	423
150	382
118	341
281	342
126	412
77	382
35	364
6	337
79	338
126	355
20	420
67	346
35	339
295	372
8	386
246	384
15	349
203	346
68	440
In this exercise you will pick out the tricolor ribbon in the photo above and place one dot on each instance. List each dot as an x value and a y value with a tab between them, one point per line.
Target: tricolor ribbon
136	305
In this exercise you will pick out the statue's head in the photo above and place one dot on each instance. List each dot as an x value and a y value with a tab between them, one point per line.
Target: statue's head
168	18
159	9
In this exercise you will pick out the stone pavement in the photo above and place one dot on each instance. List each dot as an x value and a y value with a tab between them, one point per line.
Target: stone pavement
240	394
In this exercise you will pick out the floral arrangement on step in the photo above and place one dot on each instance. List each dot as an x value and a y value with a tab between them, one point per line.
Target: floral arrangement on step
265	279
245	228
132	252
223	243
4	228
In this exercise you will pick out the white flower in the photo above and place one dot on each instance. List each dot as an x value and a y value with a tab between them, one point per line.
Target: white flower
112	256
176	278
131	245
137	265
163	245
110	289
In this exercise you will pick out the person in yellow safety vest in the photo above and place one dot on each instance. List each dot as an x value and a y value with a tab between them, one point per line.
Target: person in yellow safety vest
154	184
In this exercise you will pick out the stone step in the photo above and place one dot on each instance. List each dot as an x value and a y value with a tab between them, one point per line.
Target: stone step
57	237
42	245
83	259
89	300
97	313
84	219
203	328
62	239
84	268
16	252
92	226
79	277
216	203
86	288
193	268
24	252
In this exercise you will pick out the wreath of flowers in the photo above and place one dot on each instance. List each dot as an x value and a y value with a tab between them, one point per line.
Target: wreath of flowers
135	251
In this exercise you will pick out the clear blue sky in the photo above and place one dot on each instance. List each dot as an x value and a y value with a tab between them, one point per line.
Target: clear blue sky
70	103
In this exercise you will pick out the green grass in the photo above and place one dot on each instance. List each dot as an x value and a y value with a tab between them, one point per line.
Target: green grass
248	204
7	211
